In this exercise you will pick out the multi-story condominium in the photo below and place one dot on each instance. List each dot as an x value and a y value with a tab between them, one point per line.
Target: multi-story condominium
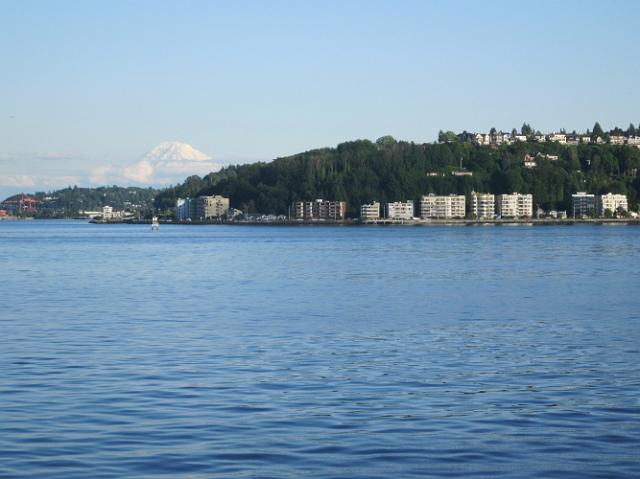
319	210
370	212
611	202
330	210
483	205
107	212
514	205
616	140
399	210
583	204
525	206
207	207
633	140
442	207
297	210
184	208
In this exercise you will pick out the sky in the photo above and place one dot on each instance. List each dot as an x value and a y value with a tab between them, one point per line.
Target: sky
87	88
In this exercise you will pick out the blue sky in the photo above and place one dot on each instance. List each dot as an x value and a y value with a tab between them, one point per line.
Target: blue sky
86	86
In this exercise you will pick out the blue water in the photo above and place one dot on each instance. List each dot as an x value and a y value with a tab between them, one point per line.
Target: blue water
288	352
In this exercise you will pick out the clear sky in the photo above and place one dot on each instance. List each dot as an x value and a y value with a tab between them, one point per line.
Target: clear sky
86	85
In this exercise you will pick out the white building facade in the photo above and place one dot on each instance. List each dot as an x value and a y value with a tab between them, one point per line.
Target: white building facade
514	205
442	207
612	202
370	212
483	205
399	210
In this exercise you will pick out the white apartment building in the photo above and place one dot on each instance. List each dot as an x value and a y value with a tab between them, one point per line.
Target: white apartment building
400	210
616	140
611	202
484	205
370	212
107	212
514	205
442	207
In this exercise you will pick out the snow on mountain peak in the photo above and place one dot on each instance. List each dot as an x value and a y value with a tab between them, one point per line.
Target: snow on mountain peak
174	151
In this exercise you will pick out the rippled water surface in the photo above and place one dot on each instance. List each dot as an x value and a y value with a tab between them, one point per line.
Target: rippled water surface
319	351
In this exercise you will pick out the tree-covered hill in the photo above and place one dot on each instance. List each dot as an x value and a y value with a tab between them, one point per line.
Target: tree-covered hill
72	200
387	170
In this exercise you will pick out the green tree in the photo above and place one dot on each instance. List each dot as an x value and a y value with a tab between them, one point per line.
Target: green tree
385	141
597	131
631	131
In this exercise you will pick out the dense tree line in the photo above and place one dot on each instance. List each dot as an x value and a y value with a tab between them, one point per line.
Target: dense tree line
388	170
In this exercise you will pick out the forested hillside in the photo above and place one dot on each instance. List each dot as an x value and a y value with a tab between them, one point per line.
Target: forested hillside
387	170
72	200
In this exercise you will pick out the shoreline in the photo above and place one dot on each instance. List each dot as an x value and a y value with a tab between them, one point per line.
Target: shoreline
450	222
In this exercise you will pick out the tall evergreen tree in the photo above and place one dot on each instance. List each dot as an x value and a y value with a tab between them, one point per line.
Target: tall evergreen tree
631	131
597	131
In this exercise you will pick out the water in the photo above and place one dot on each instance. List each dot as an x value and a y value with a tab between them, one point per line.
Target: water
319	351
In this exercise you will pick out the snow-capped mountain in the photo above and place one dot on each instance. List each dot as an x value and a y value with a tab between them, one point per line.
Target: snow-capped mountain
169	162
174	151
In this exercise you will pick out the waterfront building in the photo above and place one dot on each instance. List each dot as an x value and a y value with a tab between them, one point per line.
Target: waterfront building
319	210
514	205
370	212
208	207
184	208
583	204
330	210
611	202
399	210
555	214
442	207
107	212
483	205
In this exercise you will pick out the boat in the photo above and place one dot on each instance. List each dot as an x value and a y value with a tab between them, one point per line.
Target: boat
155	224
